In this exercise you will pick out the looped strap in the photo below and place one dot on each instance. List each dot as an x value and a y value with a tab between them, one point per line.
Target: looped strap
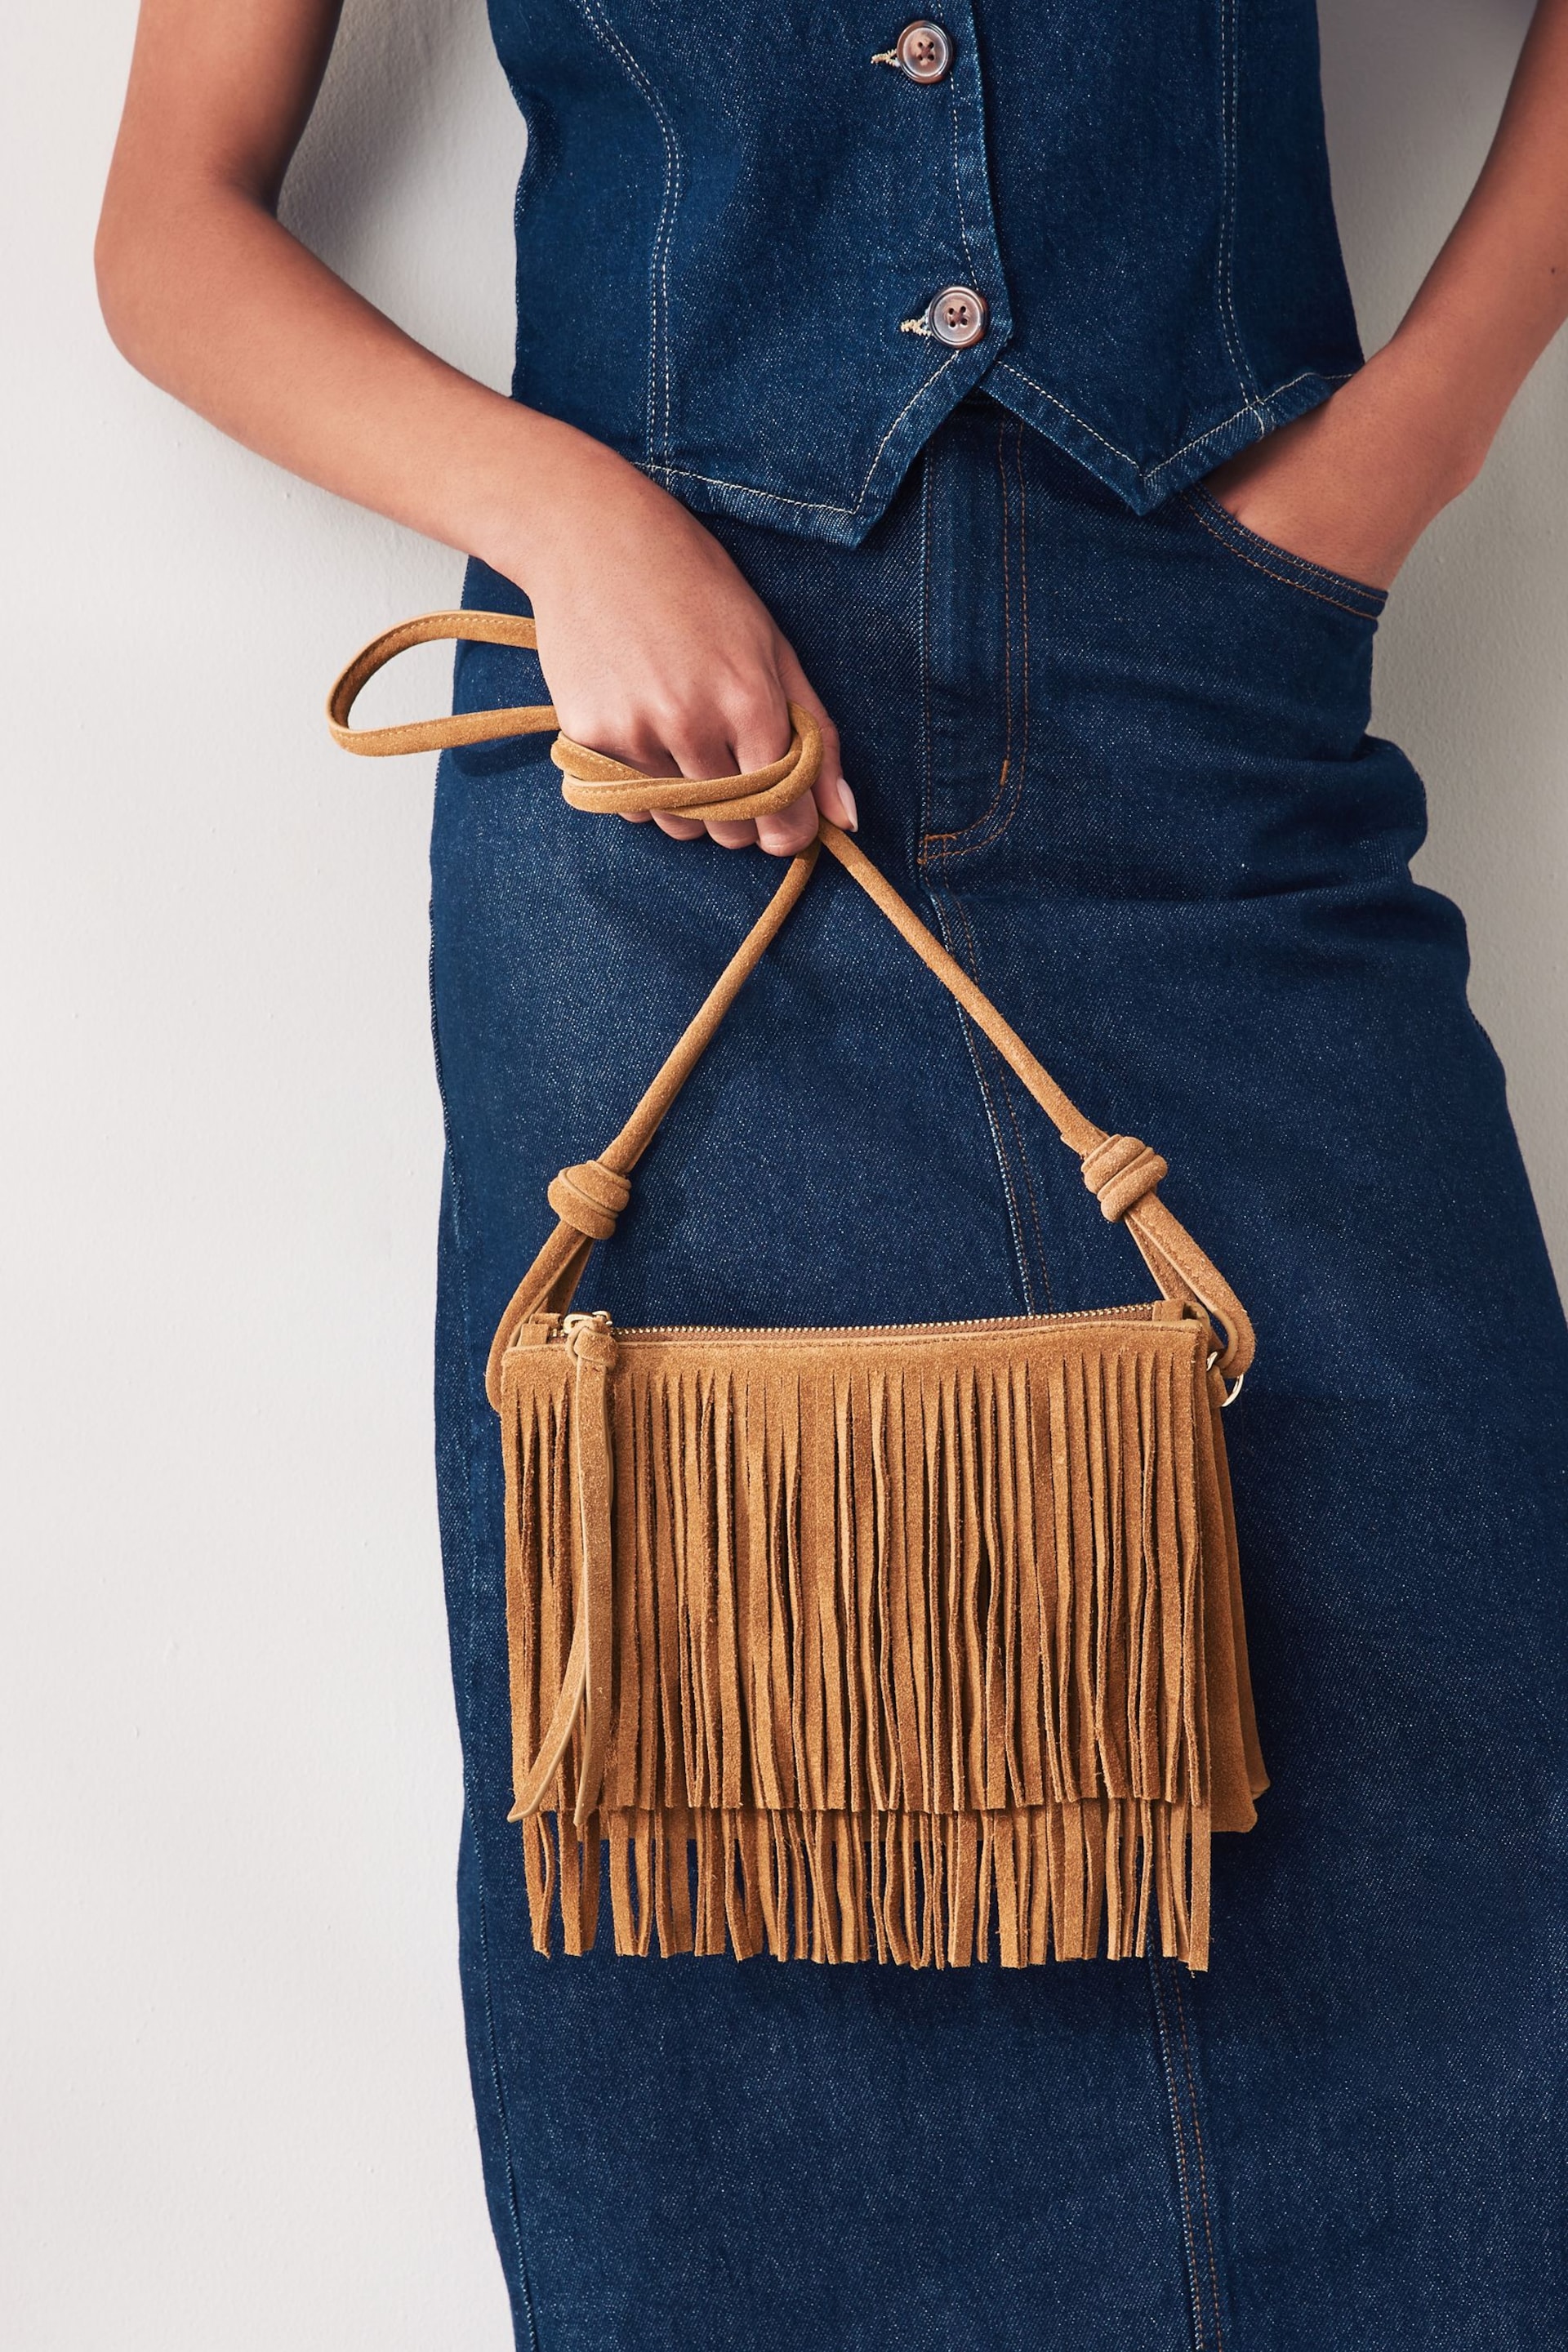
1121	1172
459	726
589	1198
593	781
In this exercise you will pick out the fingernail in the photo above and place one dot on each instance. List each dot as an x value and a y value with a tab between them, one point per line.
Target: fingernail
854	826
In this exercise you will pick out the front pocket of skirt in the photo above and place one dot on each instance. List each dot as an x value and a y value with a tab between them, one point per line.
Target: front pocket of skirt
1293	571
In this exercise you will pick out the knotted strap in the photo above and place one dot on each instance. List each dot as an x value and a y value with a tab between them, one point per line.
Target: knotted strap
589	1198
1120	1172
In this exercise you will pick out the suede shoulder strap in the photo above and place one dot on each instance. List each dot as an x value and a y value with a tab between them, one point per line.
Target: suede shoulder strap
1120	1172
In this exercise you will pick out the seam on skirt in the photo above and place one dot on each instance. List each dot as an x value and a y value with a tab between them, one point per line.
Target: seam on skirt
942	900
1203	2340
1006	1088
470	1653
957	833
941	905
470	1656
967	841
1180	1999
493	2054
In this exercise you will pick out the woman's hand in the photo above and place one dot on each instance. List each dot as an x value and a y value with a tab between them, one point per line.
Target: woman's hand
1353	484
654	647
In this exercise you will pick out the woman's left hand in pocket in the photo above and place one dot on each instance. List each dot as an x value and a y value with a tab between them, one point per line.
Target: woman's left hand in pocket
1353	484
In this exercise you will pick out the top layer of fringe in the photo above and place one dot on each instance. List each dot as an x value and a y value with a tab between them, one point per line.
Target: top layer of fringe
911	1643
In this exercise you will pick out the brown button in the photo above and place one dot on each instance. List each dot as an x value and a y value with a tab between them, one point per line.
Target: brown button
924	51
957	316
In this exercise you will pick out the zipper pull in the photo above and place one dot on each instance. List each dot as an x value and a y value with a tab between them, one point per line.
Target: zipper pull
592	1335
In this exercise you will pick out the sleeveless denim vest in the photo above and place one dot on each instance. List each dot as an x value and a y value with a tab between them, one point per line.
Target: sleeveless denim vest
763	251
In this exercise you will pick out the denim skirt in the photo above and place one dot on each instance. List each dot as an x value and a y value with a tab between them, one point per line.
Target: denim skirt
1120	765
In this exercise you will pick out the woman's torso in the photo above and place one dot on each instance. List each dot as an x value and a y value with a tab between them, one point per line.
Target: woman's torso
732	221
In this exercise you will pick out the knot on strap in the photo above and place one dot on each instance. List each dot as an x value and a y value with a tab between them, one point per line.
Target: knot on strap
589	1198
1121	1172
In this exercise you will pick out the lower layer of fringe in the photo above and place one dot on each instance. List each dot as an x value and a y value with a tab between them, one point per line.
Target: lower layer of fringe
918	1890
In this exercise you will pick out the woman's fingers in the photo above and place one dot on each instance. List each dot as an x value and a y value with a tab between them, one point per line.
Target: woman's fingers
786	832
832	795
738	834
730	733
640	746
761	734
702	748
648	743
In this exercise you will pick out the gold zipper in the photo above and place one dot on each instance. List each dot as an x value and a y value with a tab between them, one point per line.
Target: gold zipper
766	1331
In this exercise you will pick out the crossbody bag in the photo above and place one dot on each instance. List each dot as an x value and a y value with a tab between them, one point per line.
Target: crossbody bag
909	1643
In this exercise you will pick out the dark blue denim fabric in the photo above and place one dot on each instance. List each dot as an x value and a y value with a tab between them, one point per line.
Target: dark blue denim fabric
729	217
1120	762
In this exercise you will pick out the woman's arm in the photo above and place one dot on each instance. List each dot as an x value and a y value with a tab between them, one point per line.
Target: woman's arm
1356	483
653	646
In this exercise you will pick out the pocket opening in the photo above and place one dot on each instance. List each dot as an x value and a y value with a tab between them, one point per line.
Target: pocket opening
1281	563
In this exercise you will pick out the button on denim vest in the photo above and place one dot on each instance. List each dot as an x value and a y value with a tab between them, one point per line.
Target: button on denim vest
763	251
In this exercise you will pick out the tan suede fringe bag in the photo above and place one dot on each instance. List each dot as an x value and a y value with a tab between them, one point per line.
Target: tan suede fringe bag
868	1642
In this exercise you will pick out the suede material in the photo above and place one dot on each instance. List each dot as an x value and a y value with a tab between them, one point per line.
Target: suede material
909	1633
1065	1476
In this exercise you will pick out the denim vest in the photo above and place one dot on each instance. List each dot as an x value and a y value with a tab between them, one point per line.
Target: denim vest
763	251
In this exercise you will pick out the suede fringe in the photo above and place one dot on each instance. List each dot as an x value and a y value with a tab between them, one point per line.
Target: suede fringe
910	1649
920	1890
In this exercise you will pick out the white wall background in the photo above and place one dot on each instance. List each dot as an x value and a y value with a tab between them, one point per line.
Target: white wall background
233	2104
